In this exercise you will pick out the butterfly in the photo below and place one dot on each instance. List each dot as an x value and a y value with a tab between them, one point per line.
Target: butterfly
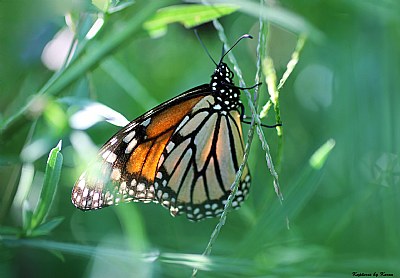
183	154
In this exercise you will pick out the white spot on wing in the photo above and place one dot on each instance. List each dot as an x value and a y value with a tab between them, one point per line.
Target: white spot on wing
113	141
146	122
81	184
129	137
182	123
85	192
122	187
161	160
109	156
140	187
130	146
174	211
116	174
170	146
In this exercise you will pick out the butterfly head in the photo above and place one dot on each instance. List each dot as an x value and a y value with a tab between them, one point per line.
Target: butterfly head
227	94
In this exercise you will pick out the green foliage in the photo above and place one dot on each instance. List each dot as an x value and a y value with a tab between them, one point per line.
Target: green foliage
51	178
34	221
188	15
329	71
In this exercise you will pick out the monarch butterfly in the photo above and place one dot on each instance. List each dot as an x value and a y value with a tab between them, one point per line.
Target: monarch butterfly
183	154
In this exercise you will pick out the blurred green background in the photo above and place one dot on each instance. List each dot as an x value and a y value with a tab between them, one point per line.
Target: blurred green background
342	218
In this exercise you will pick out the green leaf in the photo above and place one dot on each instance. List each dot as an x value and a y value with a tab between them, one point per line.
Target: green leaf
51	177
58	254
26	216
188	15
277	15
318	159
55	116
6	230
117	6
102	5
47	227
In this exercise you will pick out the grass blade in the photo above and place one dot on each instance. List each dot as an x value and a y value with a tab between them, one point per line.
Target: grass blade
51	178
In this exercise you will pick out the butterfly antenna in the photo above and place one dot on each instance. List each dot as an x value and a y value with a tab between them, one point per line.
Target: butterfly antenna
204	47
245	36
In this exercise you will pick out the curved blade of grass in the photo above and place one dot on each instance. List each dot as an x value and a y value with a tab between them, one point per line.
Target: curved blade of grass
188	15
300	191
277	15
46	227
51	178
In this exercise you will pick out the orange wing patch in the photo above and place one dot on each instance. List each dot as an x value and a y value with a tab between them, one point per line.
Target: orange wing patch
170	118
137	158
144	159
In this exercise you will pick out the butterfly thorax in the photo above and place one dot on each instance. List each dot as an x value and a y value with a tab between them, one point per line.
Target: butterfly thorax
227	95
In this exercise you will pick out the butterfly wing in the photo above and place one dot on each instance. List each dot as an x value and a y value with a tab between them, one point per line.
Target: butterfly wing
184	154
126	165
199	163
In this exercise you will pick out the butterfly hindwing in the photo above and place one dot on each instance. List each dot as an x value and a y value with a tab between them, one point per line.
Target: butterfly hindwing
200	161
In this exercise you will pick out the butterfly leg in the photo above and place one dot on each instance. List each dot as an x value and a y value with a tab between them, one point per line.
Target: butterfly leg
242	116
242	88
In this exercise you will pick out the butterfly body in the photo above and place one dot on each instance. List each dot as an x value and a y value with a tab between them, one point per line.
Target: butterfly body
183	154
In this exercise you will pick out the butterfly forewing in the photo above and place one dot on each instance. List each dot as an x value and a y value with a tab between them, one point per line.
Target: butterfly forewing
125	167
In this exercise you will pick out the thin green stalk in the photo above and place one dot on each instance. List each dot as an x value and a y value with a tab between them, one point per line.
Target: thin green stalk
293	61
261	46
250	134
274	90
